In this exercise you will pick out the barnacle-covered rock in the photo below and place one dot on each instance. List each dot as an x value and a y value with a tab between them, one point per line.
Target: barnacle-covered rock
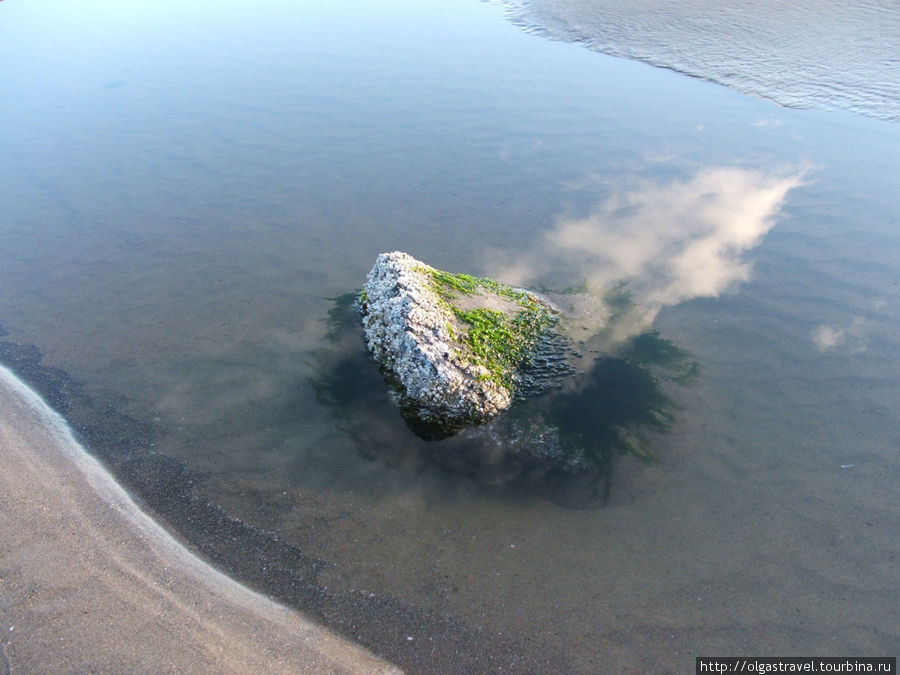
455	348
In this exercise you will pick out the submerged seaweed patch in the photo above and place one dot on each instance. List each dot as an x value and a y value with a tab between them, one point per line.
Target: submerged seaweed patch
649	349
623	399
343	313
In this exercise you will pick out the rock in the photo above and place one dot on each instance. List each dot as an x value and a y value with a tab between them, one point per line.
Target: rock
455	348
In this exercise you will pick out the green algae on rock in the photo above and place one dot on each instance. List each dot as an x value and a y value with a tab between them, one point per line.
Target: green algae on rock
454	347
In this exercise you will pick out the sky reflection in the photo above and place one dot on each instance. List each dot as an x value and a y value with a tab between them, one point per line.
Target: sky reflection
851	337
669	241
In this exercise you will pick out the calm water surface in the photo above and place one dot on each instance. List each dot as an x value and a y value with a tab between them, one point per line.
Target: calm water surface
187	189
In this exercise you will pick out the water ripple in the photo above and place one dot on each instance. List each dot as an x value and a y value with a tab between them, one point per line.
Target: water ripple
806	54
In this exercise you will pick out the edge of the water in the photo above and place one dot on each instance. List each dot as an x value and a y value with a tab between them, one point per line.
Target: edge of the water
82	552
171	494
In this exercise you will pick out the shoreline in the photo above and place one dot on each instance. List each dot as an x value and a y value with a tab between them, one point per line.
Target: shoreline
90	581
122	452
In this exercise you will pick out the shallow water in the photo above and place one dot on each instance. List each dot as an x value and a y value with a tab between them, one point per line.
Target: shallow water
188	188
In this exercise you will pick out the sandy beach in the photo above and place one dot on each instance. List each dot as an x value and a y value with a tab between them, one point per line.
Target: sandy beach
88	582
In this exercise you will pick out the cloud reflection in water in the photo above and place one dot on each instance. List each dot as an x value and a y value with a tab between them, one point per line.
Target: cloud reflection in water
669	241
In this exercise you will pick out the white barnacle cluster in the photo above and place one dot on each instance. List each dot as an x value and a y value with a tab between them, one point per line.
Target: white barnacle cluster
407	330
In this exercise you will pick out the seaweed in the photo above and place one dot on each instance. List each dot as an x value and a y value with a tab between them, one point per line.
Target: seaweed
501	343
497	341
343	313
623	399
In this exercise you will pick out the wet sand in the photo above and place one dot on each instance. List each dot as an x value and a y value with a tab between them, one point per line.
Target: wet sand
88	582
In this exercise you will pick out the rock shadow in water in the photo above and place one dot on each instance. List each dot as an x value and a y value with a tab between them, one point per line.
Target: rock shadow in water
562	443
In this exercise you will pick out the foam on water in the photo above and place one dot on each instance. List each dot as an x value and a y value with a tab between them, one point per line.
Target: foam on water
804	54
